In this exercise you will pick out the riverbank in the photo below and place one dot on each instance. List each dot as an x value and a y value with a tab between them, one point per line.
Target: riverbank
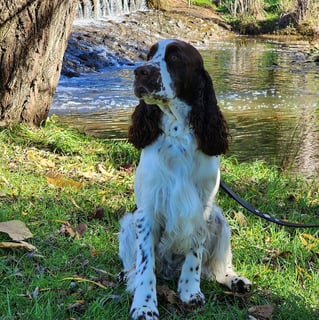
71	189
126	39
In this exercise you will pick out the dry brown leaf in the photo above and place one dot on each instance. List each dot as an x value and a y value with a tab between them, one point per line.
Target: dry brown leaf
240	218
47	163
262	311
16	229
66	229
100	168
274	255
99	213
21	244
81	229
167	295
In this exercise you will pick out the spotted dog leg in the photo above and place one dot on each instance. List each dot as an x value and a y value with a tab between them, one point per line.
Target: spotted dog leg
220	257
144	305
189	281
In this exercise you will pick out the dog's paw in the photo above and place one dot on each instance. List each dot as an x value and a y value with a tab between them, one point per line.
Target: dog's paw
192	299
144	313
240	284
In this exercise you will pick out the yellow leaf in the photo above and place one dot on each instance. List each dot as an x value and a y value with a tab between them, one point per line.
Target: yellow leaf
31	154
309	241
74	203
303	271
21	244
309	237
59	181
60	221
303	240
85	280
16	229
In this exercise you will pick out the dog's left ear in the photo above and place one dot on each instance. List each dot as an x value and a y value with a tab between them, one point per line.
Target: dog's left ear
206	118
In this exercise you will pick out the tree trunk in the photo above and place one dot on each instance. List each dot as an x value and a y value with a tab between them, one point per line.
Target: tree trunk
33	38
302	6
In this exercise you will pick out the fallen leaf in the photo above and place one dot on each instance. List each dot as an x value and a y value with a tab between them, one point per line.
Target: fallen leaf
99	213
16	229
100	168
79	279
302	271
81	229
309	241
167	295
5	180
107	283
74	203
79	306
240	218
21	244
47	163
262	311
59	181
95	252
66	229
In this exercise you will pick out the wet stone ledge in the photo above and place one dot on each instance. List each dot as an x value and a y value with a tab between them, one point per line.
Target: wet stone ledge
97	44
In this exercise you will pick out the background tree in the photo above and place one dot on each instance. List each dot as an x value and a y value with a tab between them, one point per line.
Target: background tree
33	38
302	6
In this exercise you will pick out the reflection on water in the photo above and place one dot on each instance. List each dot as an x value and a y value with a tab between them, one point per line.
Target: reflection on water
268	92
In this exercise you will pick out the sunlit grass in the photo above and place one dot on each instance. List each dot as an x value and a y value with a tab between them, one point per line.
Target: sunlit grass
92	185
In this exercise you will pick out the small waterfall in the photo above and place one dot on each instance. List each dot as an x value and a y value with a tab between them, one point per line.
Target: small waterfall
89	9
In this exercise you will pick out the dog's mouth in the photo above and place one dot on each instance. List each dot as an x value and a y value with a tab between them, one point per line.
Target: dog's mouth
148	95
140	91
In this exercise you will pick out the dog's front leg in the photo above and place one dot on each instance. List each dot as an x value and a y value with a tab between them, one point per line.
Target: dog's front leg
144	304
189	281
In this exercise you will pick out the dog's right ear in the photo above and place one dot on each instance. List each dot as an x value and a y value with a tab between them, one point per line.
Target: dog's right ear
145	125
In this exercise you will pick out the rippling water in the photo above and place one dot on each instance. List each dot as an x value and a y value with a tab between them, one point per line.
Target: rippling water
267	90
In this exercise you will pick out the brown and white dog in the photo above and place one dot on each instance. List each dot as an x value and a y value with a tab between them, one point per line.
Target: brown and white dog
177	229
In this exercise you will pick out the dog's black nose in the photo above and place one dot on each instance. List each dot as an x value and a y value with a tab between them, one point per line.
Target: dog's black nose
143	71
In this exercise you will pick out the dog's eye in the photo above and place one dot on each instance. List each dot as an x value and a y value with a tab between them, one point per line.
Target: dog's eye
173	58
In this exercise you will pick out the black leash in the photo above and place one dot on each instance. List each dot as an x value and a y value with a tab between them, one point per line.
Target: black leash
263	215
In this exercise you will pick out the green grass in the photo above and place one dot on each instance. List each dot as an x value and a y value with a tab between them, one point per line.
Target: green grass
203	3
86	173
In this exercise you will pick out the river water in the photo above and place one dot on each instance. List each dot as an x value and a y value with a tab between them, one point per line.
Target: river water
267	89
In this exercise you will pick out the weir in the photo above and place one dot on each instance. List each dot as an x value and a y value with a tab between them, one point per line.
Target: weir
89	9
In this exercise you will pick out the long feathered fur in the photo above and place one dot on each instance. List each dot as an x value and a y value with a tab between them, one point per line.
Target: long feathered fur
205	118
145	125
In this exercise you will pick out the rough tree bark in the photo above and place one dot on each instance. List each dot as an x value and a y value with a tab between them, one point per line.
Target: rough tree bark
302	6
33	38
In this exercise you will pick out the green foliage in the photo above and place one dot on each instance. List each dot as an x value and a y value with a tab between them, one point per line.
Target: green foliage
203	3
265	16
58	180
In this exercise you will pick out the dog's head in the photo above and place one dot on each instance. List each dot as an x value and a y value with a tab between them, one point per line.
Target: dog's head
170	71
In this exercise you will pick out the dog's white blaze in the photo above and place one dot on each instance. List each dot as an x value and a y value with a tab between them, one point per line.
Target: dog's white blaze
167	92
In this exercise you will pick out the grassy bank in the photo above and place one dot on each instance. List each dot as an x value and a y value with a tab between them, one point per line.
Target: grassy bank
71	190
